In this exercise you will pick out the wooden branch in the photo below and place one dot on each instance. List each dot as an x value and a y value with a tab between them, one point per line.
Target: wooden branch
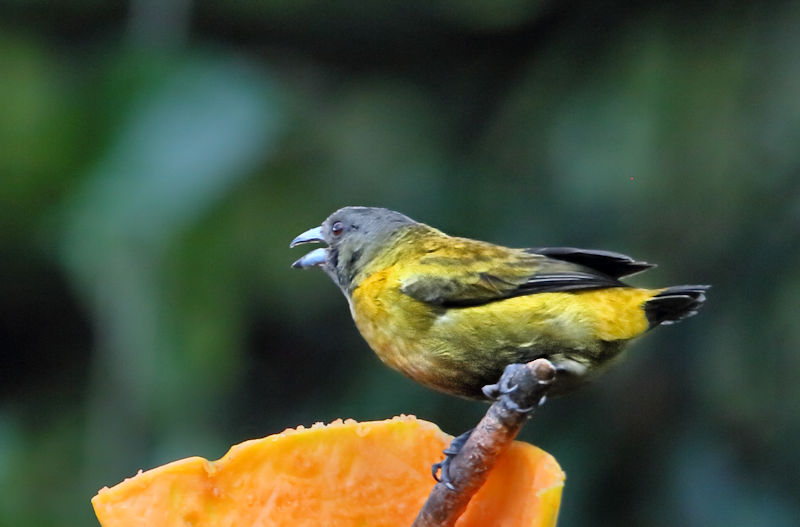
525	386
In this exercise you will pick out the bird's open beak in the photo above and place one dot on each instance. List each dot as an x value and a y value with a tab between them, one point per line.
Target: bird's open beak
314	258
310	236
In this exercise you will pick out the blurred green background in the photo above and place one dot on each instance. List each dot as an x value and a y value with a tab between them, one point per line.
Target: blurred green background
156	157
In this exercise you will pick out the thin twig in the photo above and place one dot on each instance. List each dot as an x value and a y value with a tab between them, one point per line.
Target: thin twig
525	386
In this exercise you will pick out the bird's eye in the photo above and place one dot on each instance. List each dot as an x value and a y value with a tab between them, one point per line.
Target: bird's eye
337	228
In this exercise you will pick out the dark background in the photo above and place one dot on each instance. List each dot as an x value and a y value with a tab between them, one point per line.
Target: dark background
156	157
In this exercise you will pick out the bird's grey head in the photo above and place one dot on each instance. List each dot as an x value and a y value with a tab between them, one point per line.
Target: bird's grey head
353	235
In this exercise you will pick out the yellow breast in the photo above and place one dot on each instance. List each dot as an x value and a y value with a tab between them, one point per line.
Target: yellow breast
393	324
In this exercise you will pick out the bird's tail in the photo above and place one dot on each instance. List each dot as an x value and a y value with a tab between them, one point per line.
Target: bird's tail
674	304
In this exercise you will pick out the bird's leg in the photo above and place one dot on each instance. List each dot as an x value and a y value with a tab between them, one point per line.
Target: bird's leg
528	384
502	389
449	453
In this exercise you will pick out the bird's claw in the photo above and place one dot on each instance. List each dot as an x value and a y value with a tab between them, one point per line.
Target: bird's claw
441	470
517	408
435	468
491	391
502	390
443	467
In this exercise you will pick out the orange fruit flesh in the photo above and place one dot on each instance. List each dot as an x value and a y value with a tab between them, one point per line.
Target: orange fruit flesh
344	474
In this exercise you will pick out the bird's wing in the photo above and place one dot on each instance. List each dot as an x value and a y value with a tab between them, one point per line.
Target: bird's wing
610	263
473	273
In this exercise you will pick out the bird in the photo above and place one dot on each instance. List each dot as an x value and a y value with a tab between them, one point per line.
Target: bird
451	312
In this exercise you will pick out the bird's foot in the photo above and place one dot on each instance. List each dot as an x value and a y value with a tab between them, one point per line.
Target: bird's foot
503	389
441	470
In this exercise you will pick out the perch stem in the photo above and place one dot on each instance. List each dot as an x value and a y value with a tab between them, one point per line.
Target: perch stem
522	388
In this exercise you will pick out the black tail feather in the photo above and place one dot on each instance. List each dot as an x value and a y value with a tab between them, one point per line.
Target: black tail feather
675	303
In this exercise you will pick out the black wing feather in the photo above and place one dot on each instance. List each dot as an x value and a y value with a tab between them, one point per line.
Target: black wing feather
613	264
541	283
566	281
